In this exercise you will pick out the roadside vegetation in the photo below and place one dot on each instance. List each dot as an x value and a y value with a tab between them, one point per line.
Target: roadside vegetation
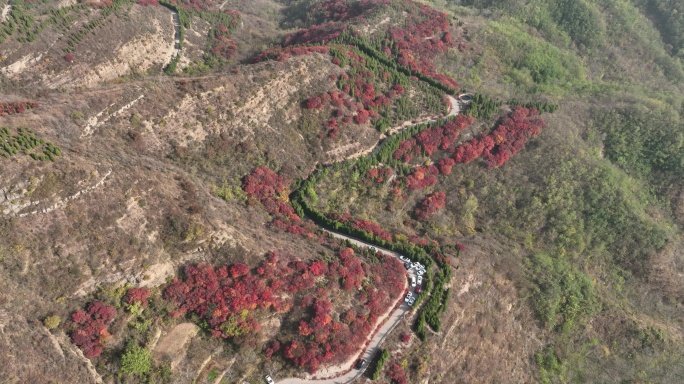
548	213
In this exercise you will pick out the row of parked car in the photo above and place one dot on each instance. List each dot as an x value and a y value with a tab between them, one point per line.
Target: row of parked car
415	281
410	299
420	268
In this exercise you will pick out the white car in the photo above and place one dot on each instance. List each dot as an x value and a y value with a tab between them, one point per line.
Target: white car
408	297
413	281
269	379
408	266
420	280
372	249
411	301
420	272
404	259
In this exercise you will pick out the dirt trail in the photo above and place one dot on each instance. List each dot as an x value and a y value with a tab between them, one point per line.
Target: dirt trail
94	121
14	208
454	110
5	12
177	32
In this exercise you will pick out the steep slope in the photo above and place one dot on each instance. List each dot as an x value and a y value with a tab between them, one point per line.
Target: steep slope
172	159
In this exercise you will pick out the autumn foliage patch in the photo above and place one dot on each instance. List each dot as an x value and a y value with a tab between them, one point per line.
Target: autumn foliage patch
507	139
137	295
14	108
424	35
222	45
91	327
228	299
421	178
396	373
363	225
378	175
430	205
343	10
432	139
330	338
272	191
225	298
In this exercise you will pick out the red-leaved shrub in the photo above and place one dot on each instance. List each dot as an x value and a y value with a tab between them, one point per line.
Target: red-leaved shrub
91	330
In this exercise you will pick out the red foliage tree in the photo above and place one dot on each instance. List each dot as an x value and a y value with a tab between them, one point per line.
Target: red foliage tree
422	177
237	270
405	337
80	317
396	373
137	295
272	348
378	175
430	205
445	165
91	330
318	268
314	103
508	138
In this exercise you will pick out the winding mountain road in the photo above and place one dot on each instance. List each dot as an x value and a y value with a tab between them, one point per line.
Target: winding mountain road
391	321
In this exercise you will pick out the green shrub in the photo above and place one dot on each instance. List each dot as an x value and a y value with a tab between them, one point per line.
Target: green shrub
384	356
646	140
52	322
136	360
562	296
550	366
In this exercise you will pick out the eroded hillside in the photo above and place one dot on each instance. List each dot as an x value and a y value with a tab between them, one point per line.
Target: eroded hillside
168	168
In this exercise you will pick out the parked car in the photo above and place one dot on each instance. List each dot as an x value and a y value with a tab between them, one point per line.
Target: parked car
372	249
413	281
404	259
408	297
361	364
269	379
408	266
420	272
420	280
411	301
